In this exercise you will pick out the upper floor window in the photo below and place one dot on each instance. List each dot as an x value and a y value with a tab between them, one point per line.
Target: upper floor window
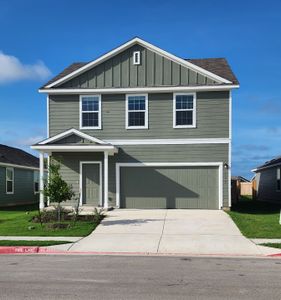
36	182
184	111
9	180
90	112
136	111
278	176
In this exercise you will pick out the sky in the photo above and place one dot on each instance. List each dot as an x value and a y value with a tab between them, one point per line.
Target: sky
40	38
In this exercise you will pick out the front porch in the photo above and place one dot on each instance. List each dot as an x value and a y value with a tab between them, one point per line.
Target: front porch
85	165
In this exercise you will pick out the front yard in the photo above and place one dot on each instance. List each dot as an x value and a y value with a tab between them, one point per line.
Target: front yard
257	219
17	221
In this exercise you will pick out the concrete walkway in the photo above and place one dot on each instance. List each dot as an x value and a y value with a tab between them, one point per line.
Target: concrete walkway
198	232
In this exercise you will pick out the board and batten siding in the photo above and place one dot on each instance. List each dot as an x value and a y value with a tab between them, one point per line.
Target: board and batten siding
145	153
154	70
23	188
267	185
212	115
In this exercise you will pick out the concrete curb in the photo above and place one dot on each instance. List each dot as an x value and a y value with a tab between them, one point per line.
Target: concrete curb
46	250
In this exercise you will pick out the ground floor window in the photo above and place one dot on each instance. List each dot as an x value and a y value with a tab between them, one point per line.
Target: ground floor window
9	180
36	182
278	184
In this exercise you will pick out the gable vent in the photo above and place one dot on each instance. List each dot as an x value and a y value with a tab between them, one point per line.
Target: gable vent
136	58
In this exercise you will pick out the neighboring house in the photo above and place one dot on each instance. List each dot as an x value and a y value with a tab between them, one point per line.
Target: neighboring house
240	186
19	177
141	128
268	185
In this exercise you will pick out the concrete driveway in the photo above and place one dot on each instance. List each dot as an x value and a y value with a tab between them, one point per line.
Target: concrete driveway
200	232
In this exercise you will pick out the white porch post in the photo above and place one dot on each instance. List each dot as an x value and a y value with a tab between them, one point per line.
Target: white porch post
105	165
41	180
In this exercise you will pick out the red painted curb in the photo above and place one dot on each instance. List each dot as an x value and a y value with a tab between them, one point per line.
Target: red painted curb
18	250
275	255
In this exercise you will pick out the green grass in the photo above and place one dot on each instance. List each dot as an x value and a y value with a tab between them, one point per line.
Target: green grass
273	245
14	221
32	243
257	219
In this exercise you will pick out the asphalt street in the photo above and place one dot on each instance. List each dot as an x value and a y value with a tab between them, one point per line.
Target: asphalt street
131	277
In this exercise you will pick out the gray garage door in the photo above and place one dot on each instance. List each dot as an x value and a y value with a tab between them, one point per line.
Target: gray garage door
169	187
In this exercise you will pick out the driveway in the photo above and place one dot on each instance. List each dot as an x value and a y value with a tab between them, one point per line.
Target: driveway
200	232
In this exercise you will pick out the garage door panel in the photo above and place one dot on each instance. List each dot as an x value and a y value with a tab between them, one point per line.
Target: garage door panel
169	187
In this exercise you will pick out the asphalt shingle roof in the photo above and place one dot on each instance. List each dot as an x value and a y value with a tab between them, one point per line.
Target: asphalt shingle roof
274	161
218	66
10	155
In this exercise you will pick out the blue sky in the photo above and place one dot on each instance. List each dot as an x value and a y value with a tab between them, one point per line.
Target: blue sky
39	38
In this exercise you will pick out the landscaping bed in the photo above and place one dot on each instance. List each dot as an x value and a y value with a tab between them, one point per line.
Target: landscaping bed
257	219
24	221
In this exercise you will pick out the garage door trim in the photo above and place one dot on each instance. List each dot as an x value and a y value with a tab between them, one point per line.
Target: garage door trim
172	164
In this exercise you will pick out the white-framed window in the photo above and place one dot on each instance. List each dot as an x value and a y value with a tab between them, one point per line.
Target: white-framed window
36	177
10	180
136	58
184	110
137	111
90	112
278	179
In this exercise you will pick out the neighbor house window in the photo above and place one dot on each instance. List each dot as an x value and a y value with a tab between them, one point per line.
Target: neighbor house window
90	112
184	110
9	180
136	58
36	182
278	183
136	111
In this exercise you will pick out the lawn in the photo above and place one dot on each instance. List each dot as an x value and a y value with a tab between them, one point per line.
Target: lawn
32	243
272	245
257	219
15	221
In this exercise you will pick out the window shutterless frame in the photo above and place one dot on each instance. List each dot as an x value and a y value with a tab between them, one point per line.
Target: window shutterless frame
145	126
193	125
90	111
10	180
278	179
36	177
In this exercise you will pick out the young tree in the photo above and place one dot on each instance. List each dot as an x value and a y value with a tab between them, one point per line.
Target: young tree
56	188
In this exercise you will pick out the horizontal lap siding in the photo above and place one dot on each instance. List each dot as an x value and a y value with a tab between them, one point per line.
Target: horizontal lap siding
144	153
23	188
267	184
212	117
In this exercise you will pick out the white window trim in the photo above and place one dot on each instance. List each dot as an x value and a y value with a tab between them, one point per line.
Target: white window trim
80	112
278	174
136	58
193	110
36	192
145	115
171	164
13	181
81	163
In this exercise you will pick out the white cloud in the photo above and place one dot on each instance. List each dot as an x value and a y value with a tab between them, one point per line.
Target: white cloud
12	69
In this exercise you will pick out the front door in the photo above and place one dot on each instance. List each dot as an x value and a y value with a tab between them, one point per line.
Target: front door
91	192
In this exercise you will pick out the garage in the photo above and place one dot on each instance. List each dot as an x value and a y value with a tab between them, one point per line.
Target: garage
160	186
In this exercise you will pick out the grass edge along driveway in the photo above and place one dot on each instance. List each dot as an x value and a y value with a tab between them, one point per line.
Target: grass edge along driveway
257	219
16	221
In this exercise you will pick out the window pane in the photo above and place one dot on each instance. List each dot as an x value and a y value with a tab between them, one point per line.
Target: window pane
136	118
278	185
136	102
9	186
36	176
90	104
9	174
36	186
90	119
184	102
184	118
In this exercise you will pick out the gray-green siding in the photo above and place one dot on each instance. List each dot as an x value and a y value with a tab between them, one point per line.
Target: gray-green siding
23	188
267	185
154	70
146	153
212	116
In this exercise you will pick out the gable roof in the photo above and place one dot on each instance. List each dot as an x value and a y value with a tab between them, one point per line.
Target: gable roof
78	68
15	156
268	164
70	132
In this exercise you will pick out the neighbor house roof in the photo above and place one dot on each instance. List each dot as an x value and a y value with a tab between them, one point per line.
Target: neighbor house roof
271	163
240	178
218	66
14	156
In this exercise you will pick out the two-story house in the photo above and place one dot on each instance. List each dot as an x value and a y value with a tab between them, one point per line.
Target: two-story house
142	128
